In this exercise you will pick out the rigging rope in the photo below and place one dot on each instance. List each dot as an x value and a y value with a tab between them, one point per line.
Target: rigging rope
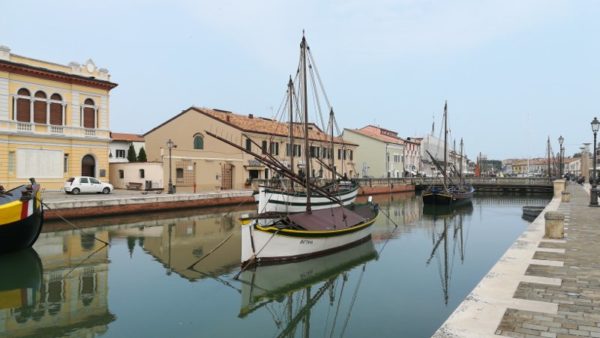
70	223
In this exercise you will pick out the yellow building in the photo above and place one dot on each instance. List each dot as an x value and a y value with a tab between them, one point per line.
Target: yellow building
54	120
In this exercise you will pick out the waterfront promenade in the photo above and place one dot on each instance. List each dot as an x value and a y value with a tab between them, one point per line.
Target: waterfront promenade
127	202
540	287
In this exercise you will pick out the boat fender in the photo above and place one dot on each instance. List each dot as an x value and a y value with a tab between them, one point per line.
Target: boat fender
370	199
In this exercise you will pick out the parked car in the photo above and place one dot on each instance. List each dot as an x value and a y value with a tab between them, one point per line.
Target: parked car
84	184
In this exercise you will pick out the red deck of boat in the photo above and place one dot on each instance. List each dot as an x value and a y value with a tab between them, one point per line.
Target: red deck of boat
329	219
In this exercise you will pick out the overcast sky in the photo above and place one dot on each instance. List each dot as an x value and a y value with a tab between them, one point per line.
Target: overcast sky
514	72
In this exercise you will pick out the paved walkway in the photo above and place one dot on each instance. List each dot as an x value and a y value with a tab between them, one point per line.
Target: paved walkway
540	287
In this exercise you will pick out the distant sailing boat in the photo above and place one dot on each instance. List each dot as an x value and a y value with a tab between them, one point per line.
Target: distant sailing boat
289	236
449	193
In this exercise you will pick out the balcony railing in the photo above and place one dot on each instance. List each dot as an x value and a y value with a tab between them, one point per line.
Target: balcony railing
57	129
24	126
47	129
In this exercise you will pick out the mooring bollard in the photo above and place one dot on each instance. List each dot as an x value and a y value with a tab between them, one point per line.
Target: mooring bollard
565	197
555	225
559	187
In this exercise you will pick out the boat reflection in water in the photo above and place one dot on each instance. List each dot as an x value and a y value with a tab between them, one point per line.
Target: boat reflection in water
290	290
20	285
449	241
62	291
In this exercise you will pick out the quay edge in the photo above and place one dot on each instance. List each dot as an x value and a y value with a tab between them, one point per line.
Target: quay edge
503	303
103	205
121	203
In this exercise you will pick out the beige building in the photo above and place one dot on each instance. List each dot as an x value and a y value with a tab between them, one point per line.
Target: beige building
381	151
137	175
199	162
54	120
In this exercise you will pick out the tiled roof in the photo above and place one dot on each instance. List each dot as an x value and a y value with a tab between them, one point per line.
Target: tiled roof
126	137
255	124
380	134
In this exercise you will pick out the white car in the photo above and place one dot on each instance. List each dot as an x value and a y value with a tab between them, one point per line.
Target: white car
84	184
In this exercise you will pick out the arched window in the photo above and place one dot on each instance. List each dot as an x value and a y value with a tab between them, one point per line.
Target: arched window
198	141
56	110
23	106
89	114
39	107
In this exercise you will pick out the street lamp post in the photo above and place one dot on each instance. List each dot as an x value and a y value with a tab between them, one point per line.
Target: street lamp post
594	191
170	145
561	156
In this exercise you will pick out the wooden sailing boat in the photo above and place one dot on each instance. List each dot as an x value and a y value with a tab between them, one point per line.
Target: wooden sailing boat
449	193
270	237
288	199
21	217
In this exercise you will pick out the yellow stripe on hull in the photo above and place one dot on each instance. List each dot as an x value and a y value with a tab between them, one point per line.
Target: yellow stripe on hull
316	232
10	212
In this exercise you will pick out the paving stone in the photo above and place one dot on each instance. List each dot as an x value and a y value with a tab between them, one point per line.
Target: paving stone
578	295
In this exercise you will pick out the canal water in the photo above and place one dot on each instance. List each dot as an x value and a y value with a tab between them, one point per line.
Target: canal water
150	281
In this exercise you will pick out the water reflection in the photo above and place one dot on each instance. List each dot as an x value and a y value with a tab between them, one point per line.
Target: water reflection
178	243
184	260
289	291
64	291
450	218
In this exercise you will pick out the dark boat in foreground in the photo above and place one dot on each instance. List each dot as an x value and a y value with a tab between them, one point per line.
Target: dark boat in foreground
21	217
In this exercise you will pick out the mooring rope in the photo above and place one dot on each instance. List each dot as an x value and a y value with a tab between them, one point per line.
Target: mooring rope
252	259
210	252
71	223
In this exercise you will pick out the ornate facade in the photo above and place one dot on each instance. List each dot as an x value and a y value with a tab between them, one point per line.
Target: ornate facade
54	120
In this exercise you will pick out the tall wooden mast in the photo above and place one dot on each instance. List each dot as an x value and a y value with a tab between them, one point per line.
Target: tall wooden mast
292	148
445	142
303	48
460	173
331	159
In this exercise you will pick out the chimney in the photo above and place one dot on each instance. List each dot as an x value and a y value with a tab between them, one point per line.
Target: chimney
250	116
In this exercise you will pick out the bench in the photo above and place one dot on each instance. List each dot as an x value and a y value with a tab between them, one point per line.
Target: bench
134	186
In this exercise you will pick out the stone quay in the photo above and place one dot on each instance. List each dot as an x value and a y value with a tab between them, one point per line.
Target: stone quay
540	287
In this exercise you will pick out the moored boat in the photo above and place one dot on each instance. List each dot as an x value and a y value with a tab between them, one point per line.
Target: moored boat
449	193
277	200
21	217
307	234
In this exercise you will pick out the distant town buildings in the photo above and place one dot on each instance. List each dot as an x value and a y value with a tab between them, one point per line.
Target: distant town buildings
380	152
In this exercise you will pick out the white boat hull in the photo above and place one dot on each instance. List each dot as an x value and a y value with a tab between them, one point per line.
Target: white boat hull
263	246
275	201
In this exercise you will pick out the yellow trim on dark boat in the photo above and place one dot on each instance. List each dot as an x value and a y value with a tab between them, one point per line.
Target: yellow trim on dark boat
10	212
316	232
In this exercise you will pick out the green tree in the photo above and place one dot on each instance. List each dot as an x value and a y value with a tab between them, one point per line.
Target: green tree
131	156
142	155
